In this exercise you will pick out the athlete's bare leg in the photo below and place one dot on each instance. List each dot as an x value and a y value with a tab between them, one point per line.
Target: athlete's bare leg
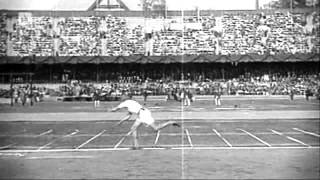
160	126
132	130
134	133
135	139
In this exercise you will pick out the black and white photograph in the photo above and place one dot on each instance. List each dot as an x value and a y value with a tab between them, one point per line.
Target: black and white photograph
159	89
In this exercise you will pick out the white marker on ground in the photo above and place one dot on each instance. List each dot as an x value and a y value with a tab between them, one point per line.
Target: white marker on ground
121	140
7	146
68	135
189	138
298	141
223	139
59	157
44	133
255	137
290	138
306	132
159	148
157	137
89	140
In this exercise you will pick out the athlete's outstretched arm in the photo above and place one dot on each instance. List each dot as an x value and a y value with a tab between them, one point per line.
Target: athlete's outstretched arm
115	109
127	117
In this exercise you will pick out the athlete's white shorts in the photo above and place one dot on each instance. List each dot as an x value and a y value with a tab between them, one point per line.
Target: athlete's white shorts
144	116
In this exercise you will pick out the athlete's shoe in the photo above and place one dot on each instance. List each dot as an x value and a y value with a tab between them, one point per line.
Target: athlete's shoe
136	148
176	124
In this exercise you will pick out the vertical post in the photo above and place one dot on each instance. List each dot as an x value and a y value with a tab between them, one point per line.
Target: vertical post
11	90
50	73
33	59
165	10
31	94
97	72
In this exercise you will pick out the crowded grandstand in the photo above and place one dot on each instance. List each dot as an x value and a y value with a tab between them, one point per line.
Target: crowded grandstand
253	52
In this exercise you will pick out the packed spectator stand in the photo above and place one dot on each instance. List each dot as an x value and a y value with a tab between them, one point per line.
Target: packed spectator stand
231	33
226	34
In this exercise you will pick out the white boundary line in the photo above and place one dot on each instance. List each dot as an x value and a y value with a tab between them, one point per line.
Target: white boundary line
7	146
189	138
290	138
157	137
276	132
44	133
255	137
298	141
120	142
164	134
160	148
306	132
89	140
229	108
58	157
223	139
254	120
68	135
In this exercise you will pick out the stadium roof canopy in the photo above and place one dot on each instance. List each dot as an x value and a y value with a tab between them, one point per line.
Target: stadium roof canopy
141	59
134	5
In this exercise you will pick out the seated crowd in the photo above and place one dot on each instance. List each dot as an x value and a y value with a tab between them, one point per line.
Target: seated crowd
241	33
246	84
274	84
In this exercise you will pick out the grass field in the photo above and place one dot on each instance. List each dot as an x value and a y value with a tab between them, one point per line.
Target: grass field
256	139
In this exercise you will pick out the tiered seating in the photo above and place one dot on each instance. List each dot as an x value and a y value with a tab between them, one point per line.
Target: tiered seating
3	34
79	36
32	36
241	33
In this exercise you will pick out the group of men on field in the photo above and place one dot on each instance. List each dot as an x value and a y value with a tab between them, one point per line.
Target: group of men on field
25	94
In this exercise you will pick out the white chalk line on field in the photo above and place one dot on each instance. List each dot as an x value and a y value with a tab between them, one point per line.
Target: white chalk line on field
306	132
51	142
91	139
157	137
3	152
290	138
44	133
163	134
223	139
7	146
255	137
189	137
59	157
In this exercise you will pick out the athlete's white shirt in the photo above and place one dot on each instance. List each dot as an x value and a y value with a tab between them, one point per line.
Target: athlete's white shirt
144	115
133	106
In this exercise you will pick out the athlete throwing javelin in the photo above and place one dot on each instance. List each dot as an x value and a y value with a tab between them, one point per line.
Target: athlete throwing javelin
143	117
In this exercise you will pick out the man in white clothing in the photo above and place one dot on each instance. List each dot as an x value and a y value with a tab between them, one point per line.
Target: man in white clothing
144	117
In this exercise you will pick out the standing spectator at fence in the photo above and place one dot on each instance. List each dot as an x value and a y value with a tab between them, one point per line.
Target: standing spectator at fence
291	93
145	95
190	95
22	95
96	98
15	95
308	93
187	101
182	96
29	95
217	95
